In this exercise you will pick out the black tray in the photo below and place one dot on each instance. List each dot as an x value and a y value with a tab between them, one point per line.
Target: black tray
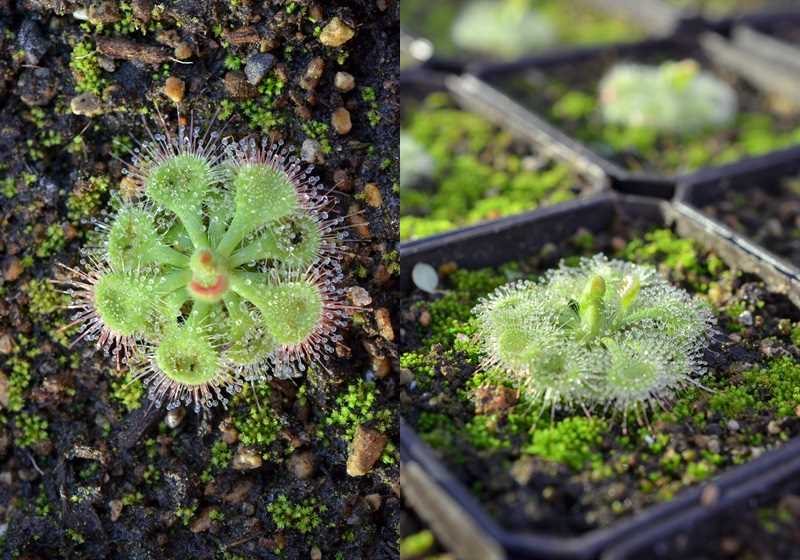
477	90
443	502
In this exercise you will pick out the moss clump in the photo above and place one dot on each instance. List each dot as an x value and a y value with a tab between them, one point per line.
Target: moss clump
302	516
85	67
479	172
258	424
357	406
127	391
573	441
53	242
18	382
32	429
85	199
43	297
417	544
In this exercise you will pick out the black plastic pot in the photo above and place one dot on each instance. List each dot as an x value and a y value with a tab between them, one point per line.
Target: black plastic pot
417	83
780	275
442	501
481	90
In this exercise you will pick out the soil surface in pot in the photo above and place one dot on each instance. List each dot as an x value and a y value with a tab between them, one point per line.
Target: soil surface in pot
567	95
770	216
574	473
476	171
87	470
575	23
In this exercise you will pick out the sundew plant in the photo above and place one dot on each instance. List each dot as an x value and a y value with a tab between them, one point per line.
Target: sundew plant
603	333
505	29
222	269
674	97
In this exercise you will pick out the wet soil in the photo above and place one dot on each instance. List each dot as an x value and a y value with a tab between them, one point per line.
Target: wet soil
87	470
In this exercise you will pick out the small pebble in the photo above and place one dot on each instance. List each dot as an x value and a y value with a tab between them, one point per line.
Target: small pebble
202	522
183	51
246	459
257	67
316	553
746	318
374	500
344	81
312	74
86	104
36	86
406	376
302	464
12	269
365	450
115	509
311	151
373	195
336	33
340	119
425	318
359	296
384	321
174	88
733	425
103	12
773	428
6	344
3	388
31	41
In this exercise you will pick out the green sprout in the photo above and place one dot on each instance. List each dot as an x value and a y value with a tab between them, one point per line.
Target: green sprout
604	332
674	97
222	270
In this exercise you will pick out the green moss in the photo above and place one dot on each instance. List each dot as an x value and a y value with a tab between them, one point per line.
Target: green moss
478	173
44	298
779	385
258	425
18	382
127	391
32	428
417	544
84	65
357	406
481	431
185	514
302	516
85	200
572	441
53	242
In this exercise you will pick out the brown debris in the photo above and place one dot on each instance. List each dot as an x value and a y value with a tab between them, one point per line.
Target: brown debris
242	36
492	398
128	50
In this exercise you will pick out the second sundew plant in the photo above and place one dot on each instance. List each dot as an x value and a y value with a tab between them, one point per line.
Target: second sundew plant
605	333
674	97
223	270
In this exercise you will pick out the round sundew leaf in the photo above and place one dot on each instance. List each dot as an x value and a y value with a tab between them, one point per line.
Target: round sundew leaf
186	355
248	340
180	183
124	303
131	237
292	311
262	194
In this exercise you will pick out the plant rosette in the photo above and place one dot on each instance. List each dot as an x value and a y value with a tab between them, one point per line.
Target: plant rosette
222	269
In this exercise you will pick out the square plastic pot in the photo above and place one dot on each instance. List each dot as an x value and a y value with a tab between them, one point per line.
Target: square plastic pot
447	506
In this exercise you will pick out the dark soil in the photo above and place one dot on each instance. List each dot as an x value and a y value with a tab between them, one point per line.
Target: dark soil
582	484
769	216
763	124
87	470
